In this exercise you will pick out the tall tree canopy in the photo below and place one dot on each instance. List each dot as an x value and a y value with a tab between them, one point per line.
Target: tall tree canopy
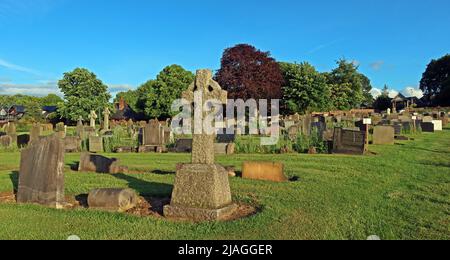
304	89
435	82
83	92
155	97
247	72
348	86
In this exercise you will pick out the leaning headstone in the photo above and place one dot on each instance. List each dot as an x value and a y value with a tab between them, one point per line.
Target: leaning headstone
95	144
266	171
100	164
383	135
41	177
116	200
202	189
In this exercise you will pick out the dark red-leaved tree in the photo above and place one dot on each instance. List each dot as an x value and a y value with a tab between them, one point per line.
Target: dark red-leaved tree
247	72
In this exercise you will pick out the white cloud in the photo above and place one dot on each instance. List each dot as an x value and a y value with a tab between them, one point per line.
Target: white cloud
11	66
393	93
116	88
377	65
412	92
376	92
38	89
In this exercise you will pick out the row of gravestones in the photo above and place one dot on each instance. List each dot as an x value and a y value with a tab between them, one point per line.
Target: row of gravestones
201	190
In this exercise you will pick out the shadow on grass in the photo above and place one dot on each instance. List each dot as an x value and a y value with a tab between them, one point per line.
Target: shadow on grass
145	188
160	172
14	176
436	164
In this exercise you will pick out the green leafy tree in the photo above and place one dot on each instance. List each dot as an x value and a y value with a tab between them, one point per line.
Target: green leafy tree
435	82
367	88
348	86
158	95
383	102
51	100
304	89
83	92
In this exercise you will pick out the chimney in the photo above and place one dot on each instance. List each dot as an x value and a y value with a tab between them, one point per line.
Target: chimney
121	104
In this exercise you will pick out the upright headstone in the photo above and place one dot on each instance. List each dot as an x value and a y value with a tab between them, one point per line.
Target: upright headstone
384	135
437	125
347	141
41	177
106	114
92	117
427	127
35	132
202	190
95	144
11	131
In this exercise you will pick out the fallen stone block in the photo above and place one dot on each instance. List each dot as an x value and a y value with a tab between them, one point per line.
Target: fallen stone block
267	171
116	200
100	164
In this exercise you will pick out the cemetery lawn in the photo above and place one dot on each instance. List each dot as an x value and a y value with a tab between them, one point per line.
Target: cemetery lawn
403	192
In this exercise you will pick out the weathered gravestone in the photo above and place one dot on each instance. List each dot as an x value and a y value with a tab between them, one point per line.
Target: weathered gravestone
92	117
224	148
11	131
383	135
35	133
398	128
153	137
6	141
116	200
106	114
95	144
100	164
41	177
183	145
349	141
202	190
427	119
427	127
72	144
23	140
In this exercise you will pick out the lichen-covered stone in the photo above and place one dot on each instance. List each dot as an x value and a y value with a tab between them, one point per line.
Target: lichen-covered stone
41	176
117	200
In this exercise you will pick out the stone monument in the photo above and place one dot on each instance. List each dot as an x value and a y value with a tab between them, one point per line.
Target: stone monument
202	190
41	177
93	117
106	114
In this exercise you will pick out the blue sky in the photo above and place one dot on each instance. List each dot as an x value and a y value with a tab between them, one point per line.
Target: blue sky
128	42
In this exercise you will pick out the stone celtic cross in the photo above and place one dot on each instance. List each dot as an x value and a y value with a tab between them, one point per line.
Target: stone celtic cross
203	144
92	117
106	114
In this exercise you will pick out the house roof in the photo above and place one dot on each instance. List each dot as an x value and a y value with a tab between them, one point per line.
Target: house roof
49	109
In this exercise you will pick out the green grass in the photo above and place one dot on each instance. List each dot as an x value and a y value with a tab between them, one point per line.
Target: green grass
403	192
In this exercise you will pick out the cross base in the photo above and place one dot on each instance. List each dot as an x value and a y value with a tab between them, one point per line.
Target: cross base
201	193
